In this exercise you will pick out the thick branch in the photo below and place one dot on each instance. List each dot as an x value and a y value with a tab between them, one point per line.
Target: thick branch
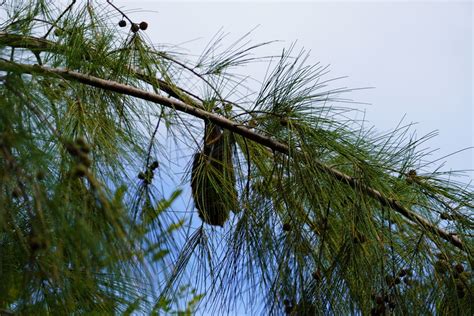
21	41
230	125
37	45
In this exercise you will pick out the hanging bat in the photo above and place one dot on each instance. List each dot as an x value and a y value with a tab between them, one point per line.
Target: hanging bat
213	178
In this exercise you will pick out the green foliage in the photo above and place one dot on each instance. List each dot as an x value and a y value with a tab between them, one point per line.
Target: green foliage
334	218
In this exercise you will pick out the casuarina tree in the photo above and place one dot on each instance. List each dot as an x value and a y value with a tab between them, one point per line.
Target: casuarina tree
286	203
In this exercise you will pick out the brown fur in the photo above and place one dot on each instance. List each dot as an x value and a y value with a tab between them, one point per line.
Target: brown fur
211	175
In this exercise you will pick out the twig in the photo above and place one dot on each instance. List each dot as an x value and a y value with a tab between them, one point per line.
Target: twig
120	11
69	7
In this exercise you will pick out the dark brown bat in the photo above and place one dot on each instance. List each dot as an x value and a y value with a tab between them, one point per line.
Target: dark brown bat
213	178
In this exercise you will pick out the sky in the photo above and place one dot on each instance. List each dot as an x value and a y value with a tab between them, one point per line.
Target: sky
417	56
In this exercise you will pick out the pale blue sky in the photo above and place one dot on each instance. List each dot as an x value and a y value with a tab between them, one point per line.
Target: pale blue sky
417	55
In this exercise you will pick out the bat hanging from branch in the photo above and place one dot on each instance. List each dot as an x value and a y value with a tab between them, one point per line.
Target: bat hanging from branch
213	178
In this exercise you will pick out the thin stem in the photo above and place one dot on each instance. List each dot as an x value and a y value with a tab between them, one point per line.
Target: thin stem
59	18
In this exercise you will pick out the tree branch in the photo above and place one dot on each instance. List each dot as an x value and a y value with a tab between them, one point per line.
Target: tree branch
232	126
37	45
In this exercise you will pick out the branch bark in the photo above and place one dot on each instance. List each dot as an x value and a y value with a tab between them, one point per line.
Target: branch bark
232	126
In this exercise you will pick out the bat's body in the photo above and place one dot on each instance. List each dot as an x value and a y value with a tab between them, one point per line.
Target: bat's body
213	179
